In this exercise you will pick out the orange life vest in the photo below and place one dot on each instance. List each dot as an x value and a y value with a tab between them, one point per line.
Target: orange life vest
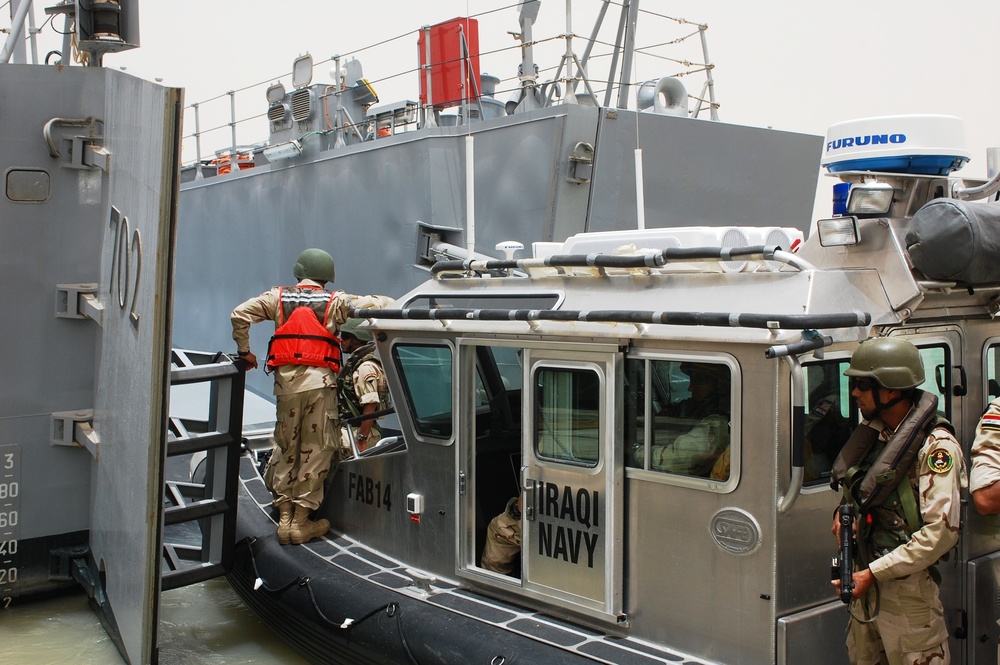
301	337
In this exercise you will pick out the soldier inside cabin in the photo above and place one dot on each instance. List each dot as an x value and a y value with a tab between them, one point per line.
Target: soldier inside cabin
692	435
362	386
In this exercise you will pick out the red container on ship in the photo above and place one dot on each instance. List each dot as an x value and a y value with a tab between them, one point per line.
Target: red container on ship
454	78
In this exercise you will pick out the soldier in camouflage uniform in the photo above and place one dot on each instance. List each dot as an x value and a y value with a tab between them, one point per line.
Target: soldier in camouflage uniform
361	385
306	431
908	514
986	462
985	474
503	539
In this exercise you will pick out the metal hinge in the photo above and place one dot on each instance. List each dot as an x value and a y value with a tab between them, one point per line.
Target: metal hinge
84	151
581	163
461	483
75	428
78	301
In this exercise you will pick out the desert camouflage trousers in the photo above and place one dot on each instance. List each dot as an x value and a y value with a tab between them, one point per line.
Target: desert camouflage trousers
306	438
909	629
503	542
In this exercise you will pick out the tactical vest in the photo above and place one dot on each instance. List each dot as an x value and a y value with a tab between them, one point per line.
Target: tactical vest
879	477
302	337
351	403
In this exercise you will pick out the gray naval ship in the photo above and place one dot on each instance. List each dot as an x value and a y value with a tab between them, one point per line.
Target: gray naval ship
652	241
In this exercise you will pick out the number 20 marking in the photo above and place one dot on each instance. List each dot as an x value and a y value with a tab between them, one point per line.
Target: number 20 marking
121	263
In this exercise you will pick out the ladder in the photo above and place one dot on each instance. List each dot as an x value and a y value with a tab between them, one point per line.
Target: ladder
199	518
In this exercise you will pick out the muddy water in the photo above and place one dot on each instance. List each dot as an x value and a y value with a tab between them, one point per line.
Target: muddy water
204	624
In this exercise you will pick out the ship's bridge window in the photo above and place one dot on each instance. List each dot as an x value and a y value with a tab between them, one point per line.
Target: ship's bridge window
425	370
568	403
678	417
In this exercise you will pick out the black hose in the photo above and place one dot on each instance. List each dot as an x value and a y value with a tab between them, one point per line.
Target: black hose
598	260
720	319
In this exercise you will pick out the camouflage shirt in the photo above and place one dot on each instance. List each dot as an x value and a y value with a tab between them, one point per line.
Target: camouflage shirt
940	477
986	449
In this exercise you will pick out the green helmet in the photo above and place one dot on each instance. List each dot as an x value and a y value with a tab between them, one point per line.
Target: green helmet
892	362
351	328
314	264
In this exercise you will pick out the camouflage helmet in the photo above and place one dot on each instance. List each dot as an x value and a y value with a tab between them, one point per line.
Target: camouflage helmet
892	362
314	264
351	328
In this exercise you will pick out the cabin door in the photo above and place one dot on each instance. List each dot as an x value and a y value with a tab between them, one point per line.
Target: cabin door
572	478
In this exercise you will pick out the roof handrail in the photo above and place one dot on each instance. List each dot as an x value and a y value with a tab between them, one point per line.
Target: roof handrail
648	260
716	319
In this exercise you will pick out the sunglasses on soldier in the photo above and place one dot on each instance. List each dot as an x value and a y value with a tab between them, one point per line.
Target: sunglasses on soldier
862	385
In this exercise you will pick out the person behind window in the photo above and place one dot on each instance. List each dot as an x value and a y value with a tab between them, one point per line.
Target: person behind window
702	420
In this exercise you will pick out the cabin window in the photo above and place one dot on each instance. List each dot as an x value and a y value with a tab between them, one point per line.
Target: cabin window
426	374
992	374
938	379
829	417
508	363
678	417
567	415
830	413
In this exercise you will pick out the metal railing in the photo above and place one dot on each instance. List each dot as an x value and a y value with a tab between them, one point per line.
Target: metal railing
218	115
205	550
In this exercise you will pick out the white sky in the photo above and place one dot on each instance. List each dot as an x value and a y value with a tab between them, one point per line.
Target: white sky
793	65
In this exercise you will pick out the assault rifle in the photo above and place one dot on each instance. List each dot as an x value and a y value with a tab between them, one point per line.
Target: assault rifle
843	565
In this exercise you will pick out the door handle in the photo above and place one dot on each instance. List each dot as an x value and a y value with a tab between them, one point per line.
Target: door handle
528	488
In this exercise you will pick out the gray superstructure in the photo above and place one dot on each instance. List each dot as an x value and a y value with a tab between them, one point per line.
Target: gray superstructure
386	205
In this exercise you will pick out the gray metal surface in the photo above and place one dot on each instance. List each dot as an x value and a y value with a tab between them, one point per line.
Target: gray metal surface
982	646
87	261
701	173
363	202
133	354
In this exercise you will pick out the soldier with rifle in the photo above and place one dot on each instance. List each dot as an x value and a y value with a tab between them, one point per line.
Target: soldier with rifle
902	473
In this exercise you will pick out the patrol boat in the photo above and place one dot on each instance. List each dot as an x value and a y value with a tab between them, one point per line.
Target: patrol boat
649	537
99	211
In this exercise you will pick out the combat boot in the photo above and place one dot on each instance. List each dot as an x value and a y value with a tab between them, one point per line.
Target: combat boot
303	529
285	509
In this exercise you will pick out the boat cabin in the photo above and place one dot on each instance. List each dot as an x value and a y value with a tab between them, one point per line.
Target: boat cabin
569	379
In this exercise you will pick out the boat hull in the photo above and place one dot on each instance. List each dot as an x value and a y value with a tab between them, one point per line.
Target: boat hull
307	593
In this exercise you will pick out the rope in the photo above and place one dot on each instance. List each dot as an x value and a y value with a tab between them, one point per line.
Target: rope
392	610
